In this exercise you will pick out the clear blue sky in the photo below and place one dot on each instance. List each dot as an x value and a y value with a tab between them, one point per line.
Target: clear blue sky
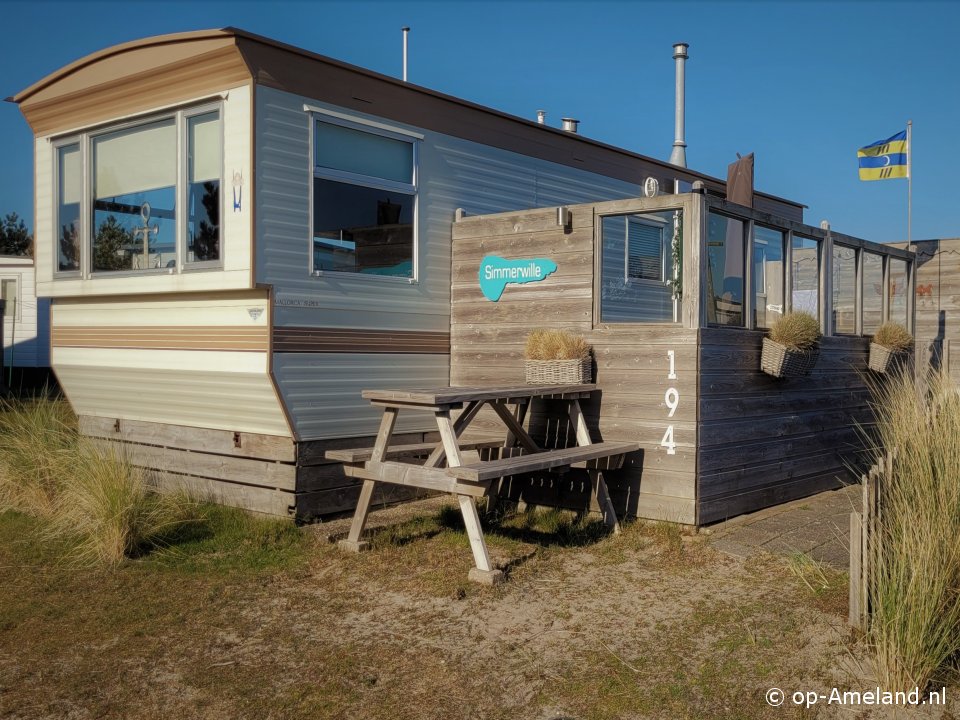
801	84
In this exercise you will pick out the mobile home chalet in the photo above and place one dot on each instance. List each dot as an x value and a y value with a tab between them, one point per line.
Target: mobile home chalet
26	319
238	236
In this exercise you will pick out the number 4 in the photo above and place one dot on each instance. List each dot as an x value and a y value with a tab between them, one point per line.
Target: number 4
668	442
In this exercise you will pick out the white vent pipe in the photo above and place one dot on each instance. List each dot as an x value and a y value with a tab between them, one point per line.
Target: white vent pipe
679	154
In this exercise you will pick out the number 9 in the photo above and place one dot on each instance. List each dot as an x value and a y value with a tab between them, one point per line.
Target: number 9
672	399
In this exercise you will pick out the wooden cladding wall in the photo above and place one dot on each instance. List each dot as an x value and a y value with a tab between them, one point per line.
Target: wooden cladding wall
937	304
635	365
764	441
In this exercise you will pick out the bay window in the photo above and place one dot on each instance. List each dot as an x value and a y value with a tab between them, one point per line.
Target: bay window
364	200
143	197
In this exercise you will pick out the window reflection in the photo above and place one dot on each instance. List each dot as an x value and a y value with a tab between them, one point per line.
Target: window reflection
725	242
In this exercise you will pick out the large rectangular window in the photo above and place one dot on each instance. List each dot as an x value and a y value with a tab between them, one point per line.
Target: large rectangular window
844	290
130	184
725	266
898	292
364	201
637	266
135	198
805	275
872	292
767	275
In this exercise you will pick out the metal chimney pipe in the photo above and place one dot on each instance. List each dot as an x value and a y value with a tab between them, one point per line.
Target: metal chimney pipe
570	125
542	117
406	33
679	154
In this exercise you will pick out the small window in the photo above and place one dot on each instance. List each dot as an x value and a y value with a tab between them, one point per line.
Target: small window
805	275
637	267
767	275
647	248
69	194
725	264
203	187
844	290
9	293
364	202
872	292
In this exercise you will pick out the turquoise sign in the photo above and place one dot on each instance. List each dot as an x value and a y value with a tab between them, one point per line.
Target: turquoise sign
496	272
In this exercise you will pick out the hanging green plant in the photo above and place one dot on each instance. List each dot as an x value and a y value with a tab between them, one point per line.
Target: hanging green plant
676	251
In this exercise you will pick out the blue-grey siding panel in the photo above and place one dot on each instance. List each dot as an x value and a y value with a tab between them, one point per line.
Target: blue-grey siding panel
321	392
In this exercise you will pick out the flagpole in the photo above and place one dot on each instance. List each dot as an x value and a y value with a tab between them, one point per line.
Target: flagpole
909	180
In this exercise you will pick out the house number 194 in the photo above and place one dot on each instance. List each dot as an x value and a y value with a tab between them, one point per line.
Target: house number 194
671	399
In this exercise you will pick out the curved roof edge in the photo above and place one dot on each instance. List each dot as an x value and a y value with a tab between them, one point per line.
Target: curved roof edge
118	50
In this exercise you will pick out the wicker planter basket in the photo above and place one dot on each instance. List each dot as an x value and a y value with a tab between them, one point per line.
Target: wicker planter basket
557	372
782	362
883	359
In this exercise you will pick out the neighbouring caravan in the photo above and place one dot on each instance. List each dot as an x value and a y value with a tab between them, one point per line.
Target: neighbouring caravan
238	236
26	319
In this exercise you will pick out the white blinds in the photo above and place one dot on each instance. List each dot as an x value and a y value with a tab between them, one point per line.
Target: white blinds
135	160
205	147
71	180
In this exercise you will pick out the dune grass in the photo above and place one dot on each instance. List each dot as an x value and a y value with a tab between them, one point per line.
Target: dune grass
915	622
92	499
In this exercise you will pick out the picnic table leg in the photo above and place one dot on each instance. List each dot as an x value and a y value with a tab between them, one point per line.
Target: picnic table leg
353	541
483	572
598	488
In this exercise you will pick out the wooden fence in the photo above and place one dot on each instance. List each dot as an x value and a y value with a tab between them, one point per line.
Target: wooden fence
866	541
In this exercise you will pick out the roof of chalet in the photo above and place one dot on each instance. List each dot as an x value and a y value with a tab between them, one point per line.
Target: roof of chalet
195	61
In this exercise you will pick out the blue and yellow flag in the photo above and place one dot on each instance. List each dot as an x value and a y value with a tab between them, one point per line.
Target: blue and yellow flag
884	159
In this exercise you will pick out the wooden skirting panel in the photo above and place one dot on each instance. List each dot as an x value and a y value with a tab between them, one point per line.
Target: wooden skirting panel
260	473
762	440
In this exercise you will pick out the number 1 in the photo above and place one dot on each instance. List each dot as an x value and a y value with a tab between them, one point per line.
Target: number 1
673	366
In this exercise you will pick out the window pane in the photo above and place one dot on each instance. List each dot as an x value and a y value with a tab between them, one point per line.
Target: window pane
725	270
872	292
203	187
635	251
844	290
69	187
8	291
355	151
134	206
898	292
767	275
362	230
805	275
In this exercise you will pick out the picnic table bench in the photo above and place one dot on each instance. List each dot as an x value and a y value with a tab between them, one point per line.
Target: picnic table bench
440	466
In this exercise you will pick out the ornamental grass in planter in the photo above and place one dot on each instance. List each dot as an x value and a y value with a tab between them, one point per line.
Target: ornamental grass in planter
556	357
792	347
890	347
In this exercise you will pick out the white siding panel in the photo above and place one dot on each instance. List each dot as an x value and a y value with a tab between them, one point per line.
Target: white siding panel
322	391
25	328
242	402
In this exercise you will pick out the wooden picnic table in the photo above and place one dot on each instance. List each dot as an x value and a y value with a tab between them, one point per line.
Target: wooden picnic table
444	468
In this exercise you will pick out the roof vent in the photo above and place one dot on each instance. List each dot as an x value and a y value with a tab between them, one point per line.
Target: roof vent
542	117
570	125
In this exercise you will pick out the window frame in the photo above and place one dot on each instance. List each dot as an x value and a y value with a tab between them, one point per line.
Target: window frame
746	246
784	242
856	288
18	291
665	248
85	139
317	115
